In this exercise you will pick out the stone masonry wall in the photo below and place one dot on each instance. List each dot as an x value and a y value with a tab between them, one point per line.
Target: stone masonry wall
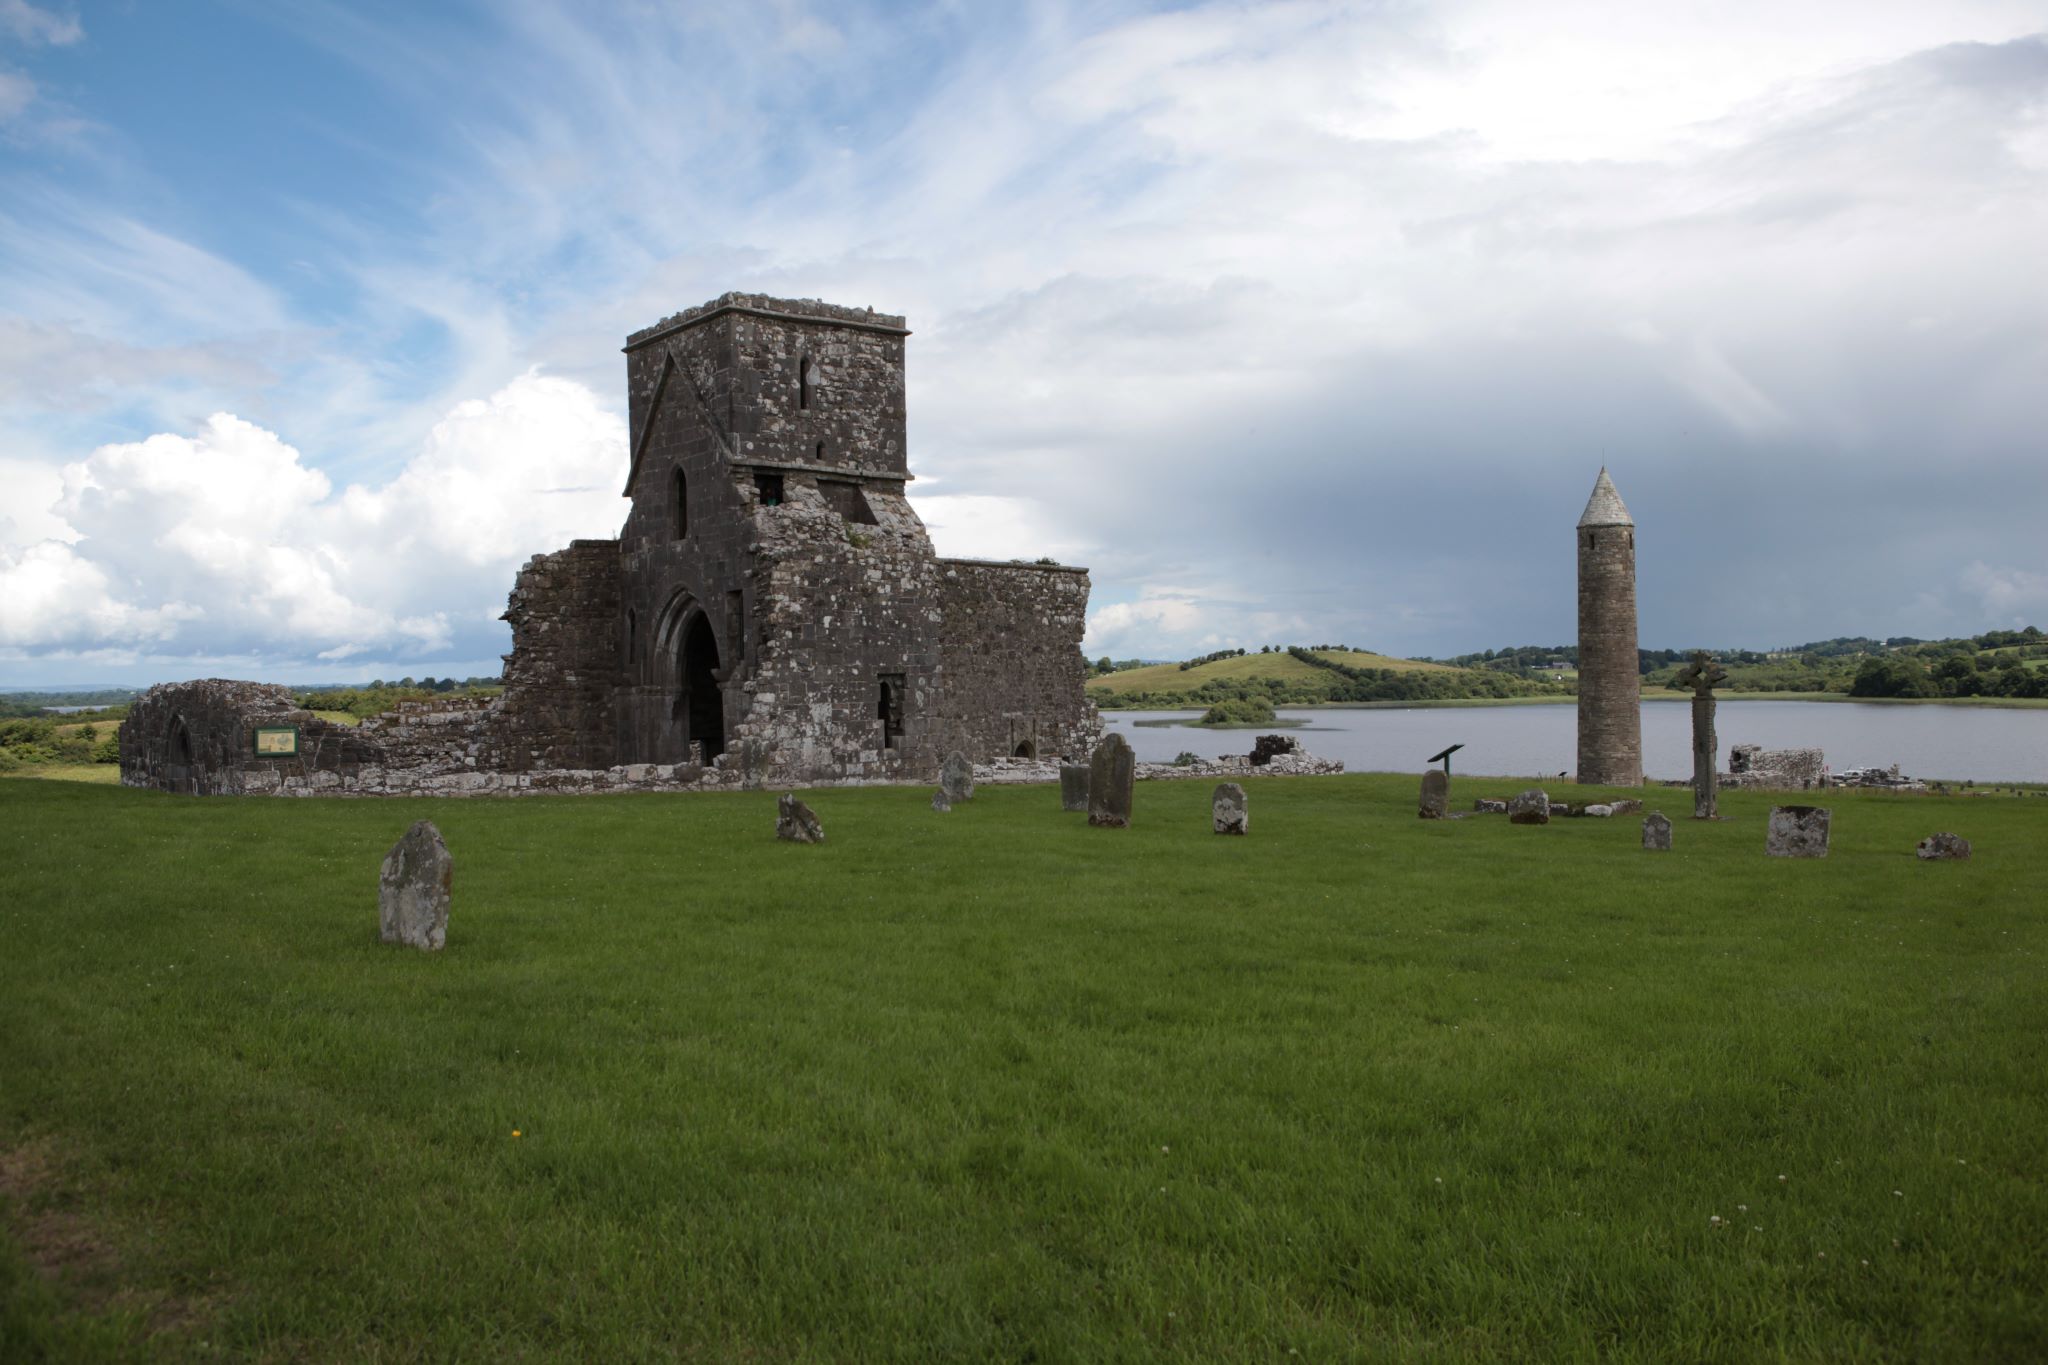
1610	683
564	666
200	738
1011	672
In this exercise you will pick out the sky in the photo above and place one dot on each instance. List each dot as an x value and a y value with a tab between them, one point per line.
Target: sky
1297	323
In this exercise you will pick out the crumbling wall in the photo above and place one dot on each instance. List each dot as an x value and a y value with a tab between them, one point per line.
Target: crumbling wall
1752	765
564	666
200	738
843	610
1011	672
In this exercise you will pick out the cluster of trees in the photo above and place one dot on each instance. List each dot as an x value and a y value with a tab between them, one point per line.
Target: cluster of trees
38	741
1956	675
1212	658
381	696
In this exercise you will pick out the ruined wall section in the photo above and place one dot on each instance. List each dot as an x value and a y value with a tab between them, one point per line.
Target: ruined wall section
200	738
846	608
1010	664
556	711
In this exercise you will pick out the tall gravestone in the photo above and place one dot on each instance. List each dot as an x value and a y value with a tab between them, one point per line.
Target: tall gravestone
1230	810
1112	774
1656	833
1701	675
1436	795
956	777
414	888
1074	786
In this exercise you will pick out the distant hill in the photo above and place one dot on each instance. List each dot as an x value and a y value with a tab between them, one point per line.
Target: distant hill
1302	677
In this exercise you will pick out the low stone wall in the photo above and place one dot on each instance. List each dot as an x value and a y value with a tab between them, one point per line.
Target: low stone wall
1791	770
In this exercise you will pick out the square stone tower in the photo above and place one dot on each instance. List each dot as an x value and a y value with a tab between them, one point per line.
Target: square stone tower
1610	680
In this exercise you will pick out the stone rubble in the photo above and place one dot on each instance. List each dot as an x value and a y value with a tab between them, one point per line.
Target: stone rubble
796	822
1943	847
1531	807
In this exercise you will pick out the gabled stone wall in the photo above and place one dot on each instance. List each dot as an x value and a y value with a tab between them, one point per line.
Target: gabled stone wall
1010	665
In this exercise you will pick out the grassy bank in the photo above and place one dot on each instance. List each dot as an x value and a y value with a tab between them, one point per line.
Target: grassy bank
995	1084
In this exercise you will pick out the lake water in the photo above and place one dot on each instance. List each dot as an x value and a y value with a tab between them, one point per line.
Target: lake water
1954	743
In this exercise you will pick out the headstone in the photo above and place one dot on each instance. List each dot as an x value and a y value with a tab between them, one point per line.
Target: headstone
1531	807
1487	805
1626	806
797	822
1230	810
1436	794
941	802
413	890
1656	833
1074	786
1798	832
1943	846
956	777
1112	773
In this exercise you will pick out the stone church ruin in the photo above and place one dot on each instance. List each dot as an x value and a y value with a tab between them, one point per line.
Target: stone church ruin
772	612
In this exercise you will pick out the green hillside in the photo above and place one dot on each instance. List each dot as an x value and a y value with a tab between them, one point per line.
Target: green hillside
1304	677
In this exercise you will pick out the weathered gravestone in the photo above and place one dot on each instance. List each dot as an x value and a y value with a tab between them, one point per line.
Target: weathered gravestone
1944	846
413	890
956	777
1073	786
1436	795
1656	833
1112	773
1798	832
1487	805
1628	805
941	802
1531	807
1230	810
797	822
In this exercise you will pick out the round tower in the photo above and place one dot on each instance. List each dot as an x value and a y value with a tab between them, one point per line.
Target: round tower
1610	685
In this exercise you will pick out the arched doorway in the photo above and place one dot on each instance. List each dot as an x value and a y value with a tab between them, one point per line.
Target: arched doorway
699	712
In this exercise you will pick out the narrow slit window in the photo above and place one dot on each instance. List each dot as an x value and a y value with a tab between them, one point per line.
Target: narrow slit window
803	382
736	622
679	502
889	709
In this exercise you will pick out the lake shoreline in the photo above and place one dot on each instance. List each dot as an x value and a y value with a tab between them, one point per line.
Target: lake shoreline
1448	703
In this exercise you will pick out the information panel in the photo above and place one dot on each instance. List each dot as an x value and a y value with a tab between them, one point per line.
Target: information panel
277	741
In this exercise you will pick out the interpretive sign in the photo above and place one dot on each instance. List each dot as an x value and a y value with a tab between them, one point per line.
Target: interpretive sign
277	741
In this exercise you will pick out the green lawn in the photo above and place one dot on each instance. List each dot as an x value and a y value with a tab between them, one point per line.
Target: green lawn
995	1085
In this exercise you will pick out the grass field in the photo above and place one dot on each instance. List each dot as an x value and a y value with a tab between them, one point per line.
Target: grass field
994	1085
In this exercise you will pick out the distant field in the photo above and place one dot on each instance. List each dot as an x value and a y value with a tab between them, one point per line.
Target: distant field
1285	667
997	1086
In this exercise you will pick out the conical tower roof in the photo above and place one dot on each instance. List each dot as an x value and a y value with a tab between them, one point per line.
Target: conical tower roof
1605	508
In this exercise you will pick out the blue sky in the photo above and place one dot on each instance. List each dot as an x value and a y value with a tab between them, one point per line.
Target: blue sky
1296	322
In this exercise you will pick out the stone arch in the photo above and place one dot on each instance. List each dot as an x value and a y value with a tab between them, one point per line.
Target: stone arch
1025	749
689	669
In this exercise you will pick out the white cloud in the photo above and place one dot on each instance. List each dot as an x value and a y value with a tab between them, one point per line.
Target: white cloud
984	526
226	542
2011	597
33	24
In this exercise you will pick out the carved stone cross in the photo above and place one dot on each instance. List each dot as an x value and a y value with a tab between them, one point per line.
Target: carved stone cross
1701	675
